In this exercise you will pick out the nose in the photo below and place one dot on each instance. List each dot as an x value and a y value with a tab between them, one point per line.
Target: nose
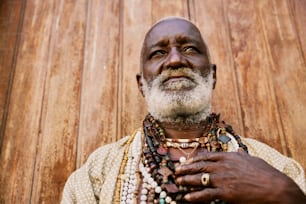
175	59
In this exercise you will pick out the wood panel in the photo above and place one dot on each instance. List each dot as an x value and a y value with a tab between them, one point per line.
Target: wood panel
59	122
20	143
252	69
9	40
287	70
68	79
98	121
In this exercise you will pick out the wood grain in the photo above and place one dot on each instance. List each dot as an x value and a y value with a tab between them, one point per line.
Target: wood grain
162	9
288	74
68	80
9	40
21	135
99	103
257	99
298	17
59	123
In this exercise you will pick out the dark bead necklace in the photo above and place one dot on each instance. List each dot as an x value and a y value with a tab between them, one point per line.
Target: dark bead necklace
156	157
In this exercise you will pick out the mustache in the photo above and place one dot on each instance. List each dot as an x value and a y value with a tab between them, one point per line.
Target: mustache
175	73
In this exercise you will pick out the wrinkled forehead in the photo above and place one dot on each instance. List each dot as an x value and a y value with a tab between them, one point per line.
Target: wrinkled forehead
172	27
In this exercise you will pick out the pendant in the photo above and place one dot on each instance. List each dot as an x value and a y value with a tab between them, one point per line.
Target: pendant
171	188
182	159
165	171
161	150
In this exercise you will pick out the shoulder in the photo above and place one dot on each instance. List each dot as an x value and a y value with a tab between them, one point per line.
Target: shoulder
264	151
102	158
279	161
84	184
107	150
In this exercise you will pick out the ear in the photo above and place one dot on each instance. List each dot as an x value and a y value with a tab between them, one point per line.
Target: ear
139	83
214	70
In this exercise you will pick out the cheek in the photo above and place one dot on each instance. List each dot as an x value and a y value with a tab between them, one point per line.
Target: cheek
151	71
203	67
205	71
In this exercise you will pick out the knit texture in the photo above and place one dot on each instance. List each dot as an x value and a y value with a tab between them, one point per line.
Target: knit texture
95	181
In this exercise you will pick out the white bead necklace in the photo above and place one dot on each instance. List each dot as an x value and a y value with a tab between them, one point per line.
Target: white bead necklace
129	186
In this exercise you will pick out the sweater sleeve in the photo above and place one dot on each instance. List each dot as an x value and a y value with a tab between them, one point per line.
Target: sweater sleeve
284	164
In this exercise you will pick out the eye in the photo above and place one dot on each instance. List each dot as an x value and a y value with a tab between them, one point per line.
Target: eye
157	53
190	50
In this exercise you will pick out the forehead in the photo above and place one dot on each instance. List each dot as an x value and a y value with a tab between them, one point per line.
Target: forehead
174	28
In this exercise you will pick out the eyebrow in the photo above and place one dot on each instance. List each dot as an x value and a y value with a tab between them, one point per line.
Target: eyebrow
186	39
161	43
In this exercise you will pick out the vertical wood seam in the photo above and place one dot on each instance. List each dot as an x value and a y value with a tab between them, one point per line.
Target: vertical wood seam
235	75
44	101
191	9
78	154
119	126
188	9
12	74
40	120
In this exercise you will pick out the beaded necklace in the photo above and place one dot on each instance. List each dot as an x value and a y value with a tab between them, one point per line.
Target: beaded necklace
130	180
158	169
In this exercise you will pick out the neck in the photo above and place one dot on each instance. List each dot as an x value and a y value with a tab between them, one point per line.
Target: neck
180	131
185	119
160	130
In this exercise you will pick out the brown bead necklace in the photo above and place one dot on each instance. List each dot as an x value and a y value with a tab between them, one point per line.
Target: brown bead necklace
159	166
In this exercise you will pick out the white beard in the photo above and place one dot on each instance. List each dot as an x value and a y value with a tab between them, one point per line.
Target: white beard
186	101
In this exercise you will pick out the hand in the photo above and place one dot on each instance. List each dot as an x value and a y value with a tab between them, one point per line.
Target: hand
237	177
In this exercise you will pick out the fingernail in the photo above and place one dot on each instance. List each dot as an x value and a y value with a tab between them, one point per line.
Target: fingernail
187	197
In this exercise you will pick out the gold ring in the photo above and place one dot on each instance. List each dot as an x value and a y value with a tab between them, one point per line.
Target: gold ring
205	179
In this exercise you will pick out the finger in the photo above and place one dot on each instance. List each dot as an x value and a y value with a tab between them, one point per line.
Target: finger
194	180
207	156
205	195
193	168
211	156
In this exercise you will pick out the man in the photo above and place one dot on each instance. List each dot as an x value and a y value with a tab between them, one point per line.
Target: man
183	153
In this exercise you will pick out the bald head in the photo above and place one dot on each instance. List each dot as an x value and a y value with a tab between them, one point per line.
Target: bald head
168	22
171	26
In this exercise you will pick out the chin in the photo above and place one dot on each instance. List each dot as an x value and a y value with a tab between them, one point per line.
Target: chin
181	101
181	115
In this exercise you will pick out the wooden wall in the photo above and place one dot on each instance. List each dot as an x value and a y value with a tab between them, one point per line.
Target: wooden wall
68	85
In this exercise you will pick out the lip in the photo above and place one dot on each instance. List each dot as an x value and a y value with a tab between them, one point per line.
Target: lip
176	78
